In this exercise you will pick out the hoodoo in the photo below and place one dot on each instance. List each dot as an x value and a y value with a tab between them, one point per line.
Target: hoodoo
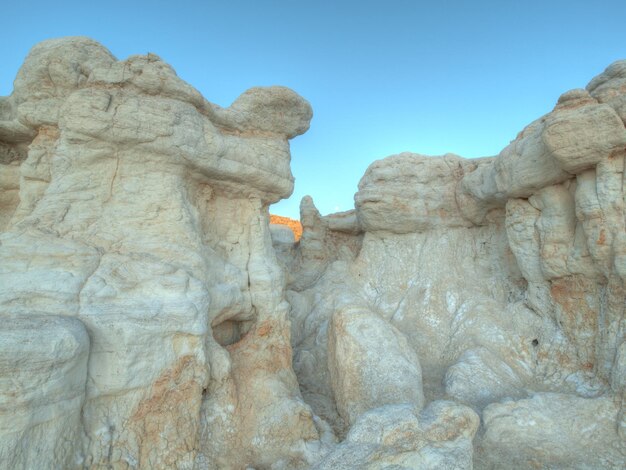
468	313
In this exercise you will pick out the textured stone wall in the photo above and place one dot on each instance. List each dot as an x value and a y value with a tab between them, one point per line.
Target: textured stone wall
467	313
504	274
117	177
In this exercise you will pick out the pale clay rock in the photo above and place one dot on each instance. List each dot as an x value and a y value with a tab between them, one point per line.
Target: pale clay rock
281	234
43	371
410	193
562	431
370	362
153	319
505	275
400	436
120	224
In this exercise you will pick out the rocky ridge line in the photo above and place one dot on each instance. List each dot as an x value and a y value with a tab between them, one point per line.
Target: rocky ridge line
468	313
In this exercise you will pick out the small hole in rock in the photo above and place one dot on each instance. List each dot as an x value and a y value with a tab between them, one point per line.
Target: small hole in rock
535	342
227	333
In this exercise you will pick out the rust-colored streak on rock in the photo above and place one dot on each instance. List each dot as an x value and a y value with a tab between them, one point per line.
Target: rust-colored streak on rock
577	314
265	329
174	401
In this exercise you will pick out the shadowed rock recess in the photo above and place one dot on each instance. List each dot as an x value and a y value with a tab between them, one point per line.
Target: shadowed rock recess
469	313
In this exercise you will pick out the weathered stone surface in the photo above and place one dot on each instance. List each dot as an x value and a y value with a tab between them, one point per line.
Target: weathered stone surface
504	274
371	363
120	224
9	192
282	234
43	371
555	431
577	135
152	318
610	87
400	436
410	193
344	222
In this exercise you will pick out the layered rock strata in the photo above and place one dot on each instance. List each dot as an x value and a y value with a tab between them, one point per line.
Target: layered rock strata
504	274
117	176
467	313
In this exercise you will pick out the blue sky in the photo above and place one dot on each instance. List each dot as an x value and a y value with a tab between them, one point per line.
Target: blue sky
382	76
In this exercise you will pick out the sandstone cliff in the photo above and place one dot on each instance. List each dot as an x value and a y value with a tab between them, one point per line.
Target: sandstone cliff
467	313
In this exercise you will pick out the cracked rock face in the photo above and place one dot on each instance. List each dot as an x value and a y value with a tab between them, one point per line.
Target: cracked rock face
467	313
118	175
504	274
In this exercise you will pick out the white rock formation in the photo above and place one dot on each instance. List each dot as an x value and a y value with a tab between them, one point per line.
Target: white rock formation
370	363
555	430
398	436
504	274
43	371
139	209
152	319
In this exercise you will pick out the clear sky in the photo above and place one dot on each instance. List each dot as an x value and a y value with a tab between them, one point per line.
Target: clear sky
382	76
